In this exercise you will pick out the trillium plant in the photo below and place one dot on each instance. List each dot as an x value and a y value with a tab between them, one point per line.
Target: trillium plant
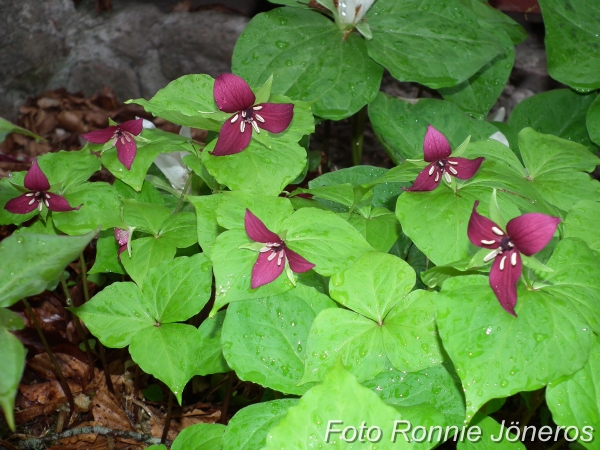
458	288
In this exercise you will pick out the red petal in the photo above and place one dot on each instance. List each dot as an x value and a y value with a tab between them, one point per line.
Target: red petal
122	248
232	93
133	126
126	150
504	282
426	182
231	140
257	231
435	145
265	271
20	205
122	236
35	180
531	232
100	136
298	263
480	229
58	203
277	116
466	168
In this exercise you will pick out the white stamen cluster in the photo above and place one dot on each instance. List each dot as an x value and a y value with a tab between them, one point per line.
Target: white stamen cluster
121	135
274	247
39	196
249	118
513	257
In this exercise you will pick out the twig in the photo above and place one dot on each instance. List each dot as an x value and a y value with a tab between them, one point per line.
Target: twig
148	410
40	443
136	393
167	424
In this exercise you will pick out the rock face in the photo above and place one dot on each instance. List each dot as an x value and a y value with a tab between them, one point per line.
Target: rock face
137	49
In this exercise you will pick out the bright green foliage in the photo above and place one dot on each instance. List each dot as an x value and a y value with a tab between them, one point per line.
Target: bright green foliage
490	431
583	222
201	436
210	357
12	355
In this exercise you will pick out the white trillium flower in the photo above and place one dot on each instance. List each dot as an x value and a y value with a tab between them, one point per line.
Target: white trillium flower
498	136
352	11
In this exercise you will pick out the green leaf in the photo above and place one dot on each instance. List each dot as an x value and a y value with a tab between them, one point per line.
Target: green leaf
147	217
8	192
438	44
31	263
146	253
247	430
574	401
182	101
264	340
66	169
168	352
179	229
583	222
324	239
380	229
571	37
593	121
107	260
12	354
489	432
492	16
560	112
310	61
272	211
210	359
7	127
206	218
10	320
401	126
200	436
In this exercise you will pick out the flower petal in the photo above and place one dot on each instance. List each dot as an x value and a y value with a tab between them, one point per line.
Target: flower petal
277	116
122	236
231	140
134	127
435	145
465	168
20	204
100	136
428	179
531	232
504	277
257	231
298	263
126	150
35	180
232	93
481	230
58	203
265	271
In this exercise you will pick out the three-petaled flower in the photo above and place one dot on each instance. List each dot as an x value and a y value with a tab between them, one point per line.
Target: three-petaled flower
273	255
122	136
526	234
437	151
38	195
233	95
352	11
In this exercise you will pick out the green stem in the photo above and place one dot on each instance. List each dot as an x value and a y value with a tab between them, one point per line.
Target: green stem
537	400
185	189
326	135
228	392
358	135
167	419
86	293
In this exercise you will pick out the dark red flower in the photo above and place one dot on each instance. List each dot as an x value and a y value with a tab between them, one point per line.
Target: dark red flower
122	237
122	137
436	149
526	234
38	195
233	95
273	255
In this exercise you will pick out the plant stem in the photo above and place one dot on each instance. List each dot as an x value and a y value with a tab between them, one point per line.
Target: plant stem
358	135
86	294
326	135
61	378
183	192
167	419
228	392
136	393
538	398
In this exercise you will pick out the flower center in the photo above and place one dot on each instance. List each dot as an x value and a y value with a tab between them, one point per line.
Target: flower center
249	115
122	135
276	249
39	196
505	244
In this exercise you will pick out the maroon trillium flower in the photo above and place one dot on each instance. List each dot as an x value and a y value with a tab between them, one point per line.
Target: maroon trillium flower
273	255
122	137
38	195
122	237
233	95
436	149
526	234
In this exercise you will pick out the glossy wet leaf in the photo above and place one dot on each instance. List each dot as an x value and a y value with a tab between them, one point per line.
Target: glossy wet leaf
200	436
66	169
380	229
144	216
206	219
490	432
7	127
593	121
210	358
106	260
583	222
32	263
265	340
272	211
179	229
146	253
309	60
12	354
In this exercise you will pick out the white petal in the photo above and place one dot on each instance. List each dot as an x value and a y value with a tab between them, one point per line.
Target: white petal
498	136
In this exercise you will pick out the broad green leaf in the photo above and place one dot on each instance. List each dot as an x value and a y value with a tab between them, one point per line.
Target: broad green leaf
401	126
8	192
210	358
272	211
146	253
178	289
496	354
373	285
206	217
247	430
147	217
31	263
583	222
168	353
7	127
494	151
66	169
179	229
438	44
265	340
200	436
593	121
116	314
571	40
12	355
310	60
560	112
148	194
182	101
100	207
106	260
486	13
10	320
575	402
324	239
491	435
380	229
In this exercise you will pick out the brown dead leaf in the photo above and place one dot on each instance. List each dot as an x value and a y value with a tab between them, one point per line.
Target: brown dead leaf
46	392
107	411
